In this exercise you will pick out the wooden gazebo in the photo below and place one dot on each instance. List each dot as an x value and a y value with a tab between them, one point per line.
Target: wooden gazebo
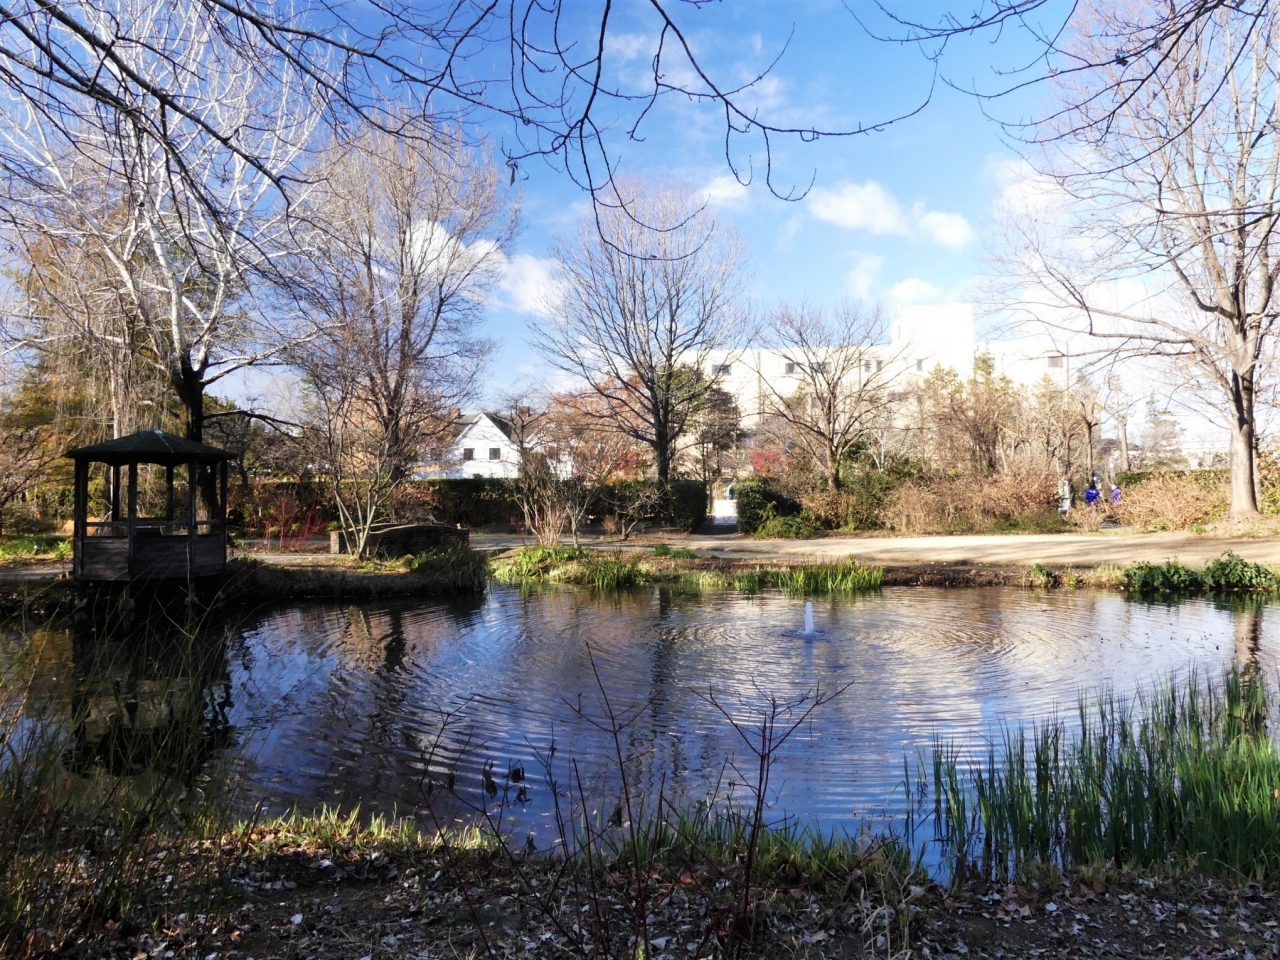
188	541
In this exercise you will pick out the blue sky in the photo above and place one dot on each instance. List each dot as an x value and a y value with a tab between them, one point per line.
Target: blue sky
896	215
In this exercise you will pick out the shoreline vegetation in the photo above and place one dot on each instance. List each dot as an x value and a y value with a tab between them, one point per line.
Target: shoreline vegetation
1150	818
464	570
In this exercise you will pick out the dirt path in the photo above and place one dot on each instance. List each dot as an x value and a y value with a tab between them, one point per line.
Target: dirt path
1051	550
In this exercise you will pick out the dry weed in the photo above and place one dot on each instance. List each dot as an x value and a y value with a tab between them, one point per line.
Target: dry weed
1174	501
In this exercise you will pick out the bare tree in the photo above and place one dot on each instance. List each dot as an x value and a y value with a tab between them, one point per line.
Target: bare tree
400	240
646	300
840	375
80	331
182	228
1159	238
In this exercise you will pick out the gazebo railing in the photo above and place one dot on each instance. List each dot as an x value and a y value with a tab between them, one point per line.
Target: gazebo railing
164	528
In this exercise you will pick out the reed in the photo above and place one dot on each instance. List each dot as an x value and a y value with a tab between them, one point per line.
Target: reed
1181	776
97	803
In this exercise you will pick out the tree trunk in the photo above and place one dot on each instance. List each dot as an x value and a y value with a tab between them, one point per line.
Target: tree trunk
662	459
189	386
1123	424
1244	497
833	472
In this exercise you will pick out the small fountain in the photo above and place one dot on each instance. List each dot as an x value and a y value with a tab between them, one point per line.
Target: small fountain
808	619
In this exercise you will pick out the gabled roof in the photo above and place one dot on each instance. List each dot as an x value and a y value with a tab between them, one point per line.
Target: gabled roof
150	446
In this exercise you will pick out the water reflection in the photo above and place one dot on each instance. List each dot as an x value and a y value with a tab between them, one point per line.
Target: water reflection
369	704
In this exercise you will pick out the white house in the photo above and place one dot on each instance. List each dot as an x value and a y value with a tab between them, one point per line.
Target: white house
482	447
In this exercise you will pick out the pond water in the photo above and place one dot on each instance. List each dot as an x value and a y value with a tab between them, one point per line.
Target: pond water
345	704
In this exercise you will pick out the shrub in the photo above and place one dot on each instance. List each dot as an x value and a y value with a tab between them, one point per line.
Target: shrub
683	553
754	495
661	550
1018	498
801	526
1175	500
1231	573
1170	577
686	504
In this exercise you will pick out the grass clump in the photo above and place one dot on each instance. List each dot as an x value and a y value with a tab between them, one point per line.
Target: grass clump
844	577
48	546
1181	777
533	563
570	565
1040	577
456	570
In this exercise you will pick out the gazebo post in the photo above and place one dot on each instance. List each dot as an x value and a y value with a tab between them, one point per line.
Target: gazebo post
168	501
80	510
193	471
132	526
115	492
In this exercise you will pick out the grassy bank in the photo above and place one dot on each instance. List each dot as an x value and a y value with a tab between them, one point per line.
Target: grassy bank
614	570
1185	778
460	570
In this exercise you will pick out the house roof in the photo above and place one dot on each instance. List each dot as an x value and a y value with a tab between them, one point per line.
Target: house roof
150	446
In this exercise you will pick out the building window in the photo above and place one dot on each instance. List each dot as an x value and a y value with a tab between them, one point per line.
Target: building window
721	369
791	368
919	366
1055	362
879	365
495	453
819	366
866	365
468	453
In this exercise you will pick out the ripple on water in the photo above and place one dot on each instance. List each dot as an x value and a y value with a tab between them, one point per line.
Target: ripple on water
347	703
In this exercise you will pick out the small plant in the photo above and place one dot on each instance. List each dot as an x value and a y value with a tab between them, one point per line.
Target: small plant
1170	577
661	550
1041	578
682	553
1231	574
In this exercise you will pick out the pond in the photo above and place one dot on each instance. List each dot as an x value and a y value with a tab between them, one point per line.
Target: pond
369	704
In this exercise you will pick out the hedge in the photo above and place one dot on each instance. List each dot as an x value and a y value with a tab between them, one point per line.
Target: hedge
753	497
470	501
686	504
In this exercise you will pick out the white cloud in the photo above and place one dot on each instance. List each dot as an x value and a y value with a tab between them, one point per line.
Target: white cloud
948	229
725	191
862	278
869	206
913	290
530	286
859	206
628	46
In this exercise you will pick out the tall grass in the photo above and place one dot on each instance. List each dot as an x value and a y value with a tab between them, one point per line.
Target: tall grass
1181	776
843	577
98	800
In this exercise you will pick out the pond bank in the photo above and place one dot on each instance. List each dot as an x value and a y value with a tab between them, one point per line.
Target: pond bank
326	890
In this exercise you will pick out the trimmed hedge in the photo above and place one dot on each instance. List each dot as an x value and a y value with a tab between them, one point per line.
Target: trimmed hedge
754	496
686	504
471	501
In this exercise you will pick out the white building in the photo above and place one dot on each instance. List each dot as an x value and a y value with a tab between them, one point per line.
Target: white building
921	338
482	447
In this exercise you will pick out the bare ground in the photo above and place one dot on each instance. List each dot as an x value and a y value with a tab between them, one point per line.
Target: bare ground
1080	550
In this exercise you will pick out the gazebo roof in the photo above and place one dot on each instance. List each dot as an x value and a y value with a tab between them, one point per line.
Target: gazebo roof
150	446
